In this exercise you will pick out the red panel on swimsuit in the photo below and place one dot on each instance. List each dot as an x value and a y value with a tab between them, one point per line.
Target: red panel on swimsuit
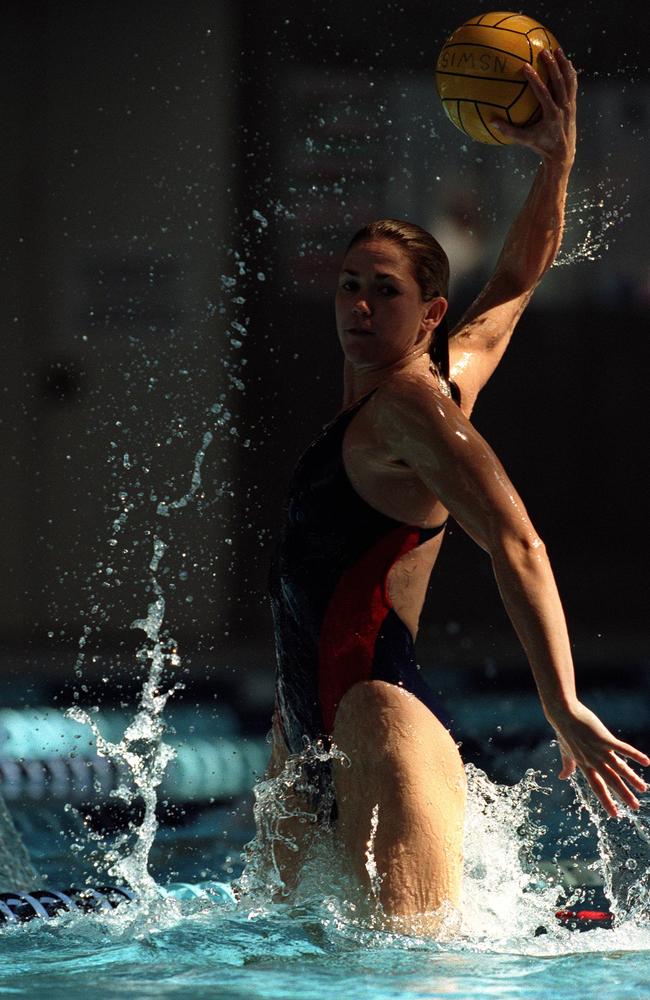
354	617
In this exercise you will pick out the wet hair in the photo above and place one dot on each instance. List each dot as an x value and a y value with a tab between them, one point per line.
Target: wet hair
430	268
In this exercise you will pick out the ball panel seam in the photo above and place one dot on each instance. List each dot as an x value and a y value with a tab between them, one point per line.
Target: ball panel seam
487	127
517	98
484	79
460	119
496	27
499	24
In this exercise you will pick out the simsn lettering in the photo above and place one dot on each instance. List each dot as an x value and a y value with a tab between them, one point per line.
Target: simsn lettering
478	62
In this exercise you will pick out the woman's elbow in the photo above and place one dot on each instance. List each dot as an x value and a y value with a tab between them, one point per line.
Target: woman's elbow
518	547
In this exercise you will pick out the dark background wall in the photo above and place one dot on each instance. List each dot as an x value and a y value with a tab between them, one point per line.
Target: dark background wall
178	186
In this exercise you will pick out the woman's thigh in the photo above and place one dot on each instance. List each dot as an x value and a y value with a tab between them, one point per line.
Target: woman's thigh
406	771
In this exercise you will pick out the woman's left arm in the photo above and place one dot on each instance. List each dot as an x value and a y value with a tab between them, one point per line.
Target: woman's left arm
428	433
477	343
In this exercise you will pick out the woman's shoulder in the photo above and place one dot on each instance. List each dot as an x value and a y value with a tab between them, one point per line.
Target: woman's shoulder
411	407
412	393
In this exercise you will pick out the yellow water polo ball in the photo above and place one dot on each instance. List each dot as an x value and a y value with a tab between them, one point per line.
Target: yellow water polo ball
479	73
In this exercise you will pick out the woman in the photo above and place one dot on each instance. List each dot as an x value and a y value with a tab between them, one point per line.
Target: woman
367	509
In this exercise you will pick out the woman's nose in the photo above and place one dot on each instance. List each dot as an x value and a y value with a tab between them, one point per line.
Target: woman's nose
361	308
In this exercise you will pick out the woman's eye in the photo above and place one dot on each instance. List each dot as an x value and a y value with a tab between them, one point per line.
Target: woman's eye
352	286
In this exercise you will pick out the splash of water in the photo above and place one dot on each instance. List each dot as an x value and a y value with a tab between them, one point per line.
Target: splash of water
371	863
164	508
589	223
142	756
502	887
279	801
503	894
509	896
624	854
503	897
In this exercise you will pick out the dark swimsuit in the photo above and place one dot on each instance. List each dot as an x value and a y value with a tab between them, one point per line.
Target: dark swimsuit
334	622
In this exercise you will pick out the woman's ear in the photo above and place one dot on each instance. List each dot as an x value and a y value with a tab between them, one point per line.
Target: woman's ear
436	309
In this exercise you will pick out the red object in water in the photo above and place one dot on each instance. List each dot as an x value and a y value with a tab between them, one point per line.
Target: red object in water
581	917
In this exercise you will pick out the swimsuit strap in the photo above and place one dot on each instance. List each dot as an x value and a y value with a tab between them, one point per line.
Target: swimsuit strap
425	533
352	409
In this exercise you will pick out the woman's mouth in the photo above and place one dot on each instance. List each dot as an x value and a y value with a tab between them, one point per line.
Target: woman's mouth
360	331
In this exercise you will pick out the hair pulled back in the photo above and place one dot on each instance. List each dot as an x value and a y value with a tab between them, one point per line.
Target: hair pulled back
430	268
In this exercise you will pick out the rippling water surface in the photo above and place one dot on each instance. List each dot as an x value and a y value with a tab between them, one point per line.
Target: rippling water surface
211	949
196	938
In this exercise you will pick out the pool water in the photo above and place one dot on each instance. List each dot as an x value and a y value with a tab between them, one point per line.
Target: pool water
191	936
211	950
532	845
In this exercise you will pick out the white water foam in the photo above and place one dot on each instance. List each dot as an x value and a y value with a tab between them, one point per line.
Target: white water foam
509	898
280	799
370	862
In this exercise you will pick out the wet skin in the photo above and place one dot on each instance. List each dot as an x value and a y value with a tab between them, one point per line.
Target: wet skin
412	453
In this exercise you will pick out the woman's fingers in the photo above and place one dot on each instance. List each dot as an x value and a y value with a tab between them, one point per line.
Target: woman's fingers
607	778
554	96
520	133
556	78
610	775
568	761
599	755
618	786
568	768
600	790
569	73
629	751
553	134
541	91
620	765
563	82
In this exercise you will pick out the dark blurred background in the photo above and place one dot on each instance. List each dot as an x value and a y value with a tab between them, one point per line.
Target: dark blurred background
178	183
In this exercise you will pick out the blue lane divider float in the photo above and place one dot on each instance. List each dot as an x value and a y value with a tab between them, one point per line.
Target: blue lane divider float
20	907
34	733
45	755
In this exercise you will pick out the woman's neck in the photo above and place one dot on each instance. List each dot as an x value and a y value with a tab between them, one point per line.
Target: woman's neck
358	382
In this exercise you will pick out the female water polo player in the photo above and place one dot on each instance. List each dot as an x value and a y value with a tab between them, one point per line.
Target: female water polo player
368	504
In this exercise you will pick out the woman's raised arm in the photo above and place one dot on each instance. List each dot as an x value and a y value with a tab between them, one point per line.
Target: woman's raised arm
428	432
478	341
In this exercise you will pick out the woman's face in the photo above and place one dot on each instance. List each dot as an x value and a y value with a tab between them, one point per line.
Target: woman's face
381	318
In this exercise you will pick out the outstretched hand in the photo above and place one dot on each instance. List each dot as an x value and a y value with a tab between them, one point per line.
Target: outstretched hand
586	743
553	137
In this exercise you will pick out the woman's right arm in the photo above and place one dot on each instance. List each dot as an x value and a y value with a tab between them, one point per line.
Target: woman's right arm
477	343
430	434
